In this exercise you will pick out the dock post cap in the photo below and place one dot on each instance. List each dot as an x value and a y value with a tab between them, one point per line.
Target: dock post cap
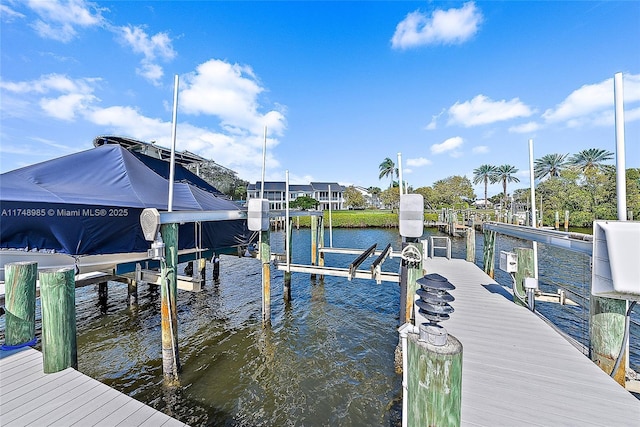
433	333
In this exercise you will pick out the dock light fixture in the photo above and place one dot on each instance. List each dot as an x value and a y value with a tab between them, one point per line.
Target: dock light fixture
434	305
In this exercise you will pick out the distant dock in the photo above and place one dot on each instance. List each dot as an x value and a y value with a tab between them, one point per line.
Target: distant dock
30	397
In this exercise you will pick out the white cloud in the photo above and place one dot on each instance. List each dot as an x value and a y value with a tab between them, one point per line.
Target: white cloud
152	48
482	110
480	149
452	26
63	97
434	120
59	19
230	92
8	15
450	144
525	128
418	162
65	107
632	115
592	104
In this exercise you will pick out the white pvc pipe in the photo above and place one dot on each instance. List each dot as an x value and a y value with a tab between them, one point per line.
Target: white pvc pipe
330	225
172	167
287	233
621	178
621	181
534	215
264	157
399	172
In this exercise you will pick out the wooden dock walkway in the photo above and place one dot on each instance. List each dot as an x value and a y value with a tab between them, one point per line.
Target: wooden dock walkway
30	397
517	370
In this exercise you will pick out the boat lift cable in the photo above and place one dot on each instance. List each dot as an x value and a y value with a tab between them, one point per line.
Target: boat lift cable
625	338
522	298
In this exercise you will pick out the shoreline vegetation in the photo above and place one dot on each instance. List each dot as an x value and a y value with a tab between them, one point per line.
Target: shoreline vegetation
376	218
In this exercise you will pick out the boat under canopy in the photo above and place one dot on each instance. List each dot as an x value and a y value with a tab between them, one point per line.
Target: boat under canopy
89	203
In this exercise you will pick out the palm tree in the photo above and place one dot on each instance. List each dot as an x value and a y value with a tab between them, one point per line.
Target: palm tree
550	164
387	168
504	174
590	160
484	173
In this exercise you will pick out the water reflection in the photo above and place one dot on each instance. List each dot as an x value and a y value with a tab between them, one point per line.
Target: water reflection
326	359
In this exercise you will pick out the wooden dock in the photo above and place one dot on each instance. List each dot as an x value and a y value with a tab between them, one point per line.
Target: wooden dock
30	397
517	370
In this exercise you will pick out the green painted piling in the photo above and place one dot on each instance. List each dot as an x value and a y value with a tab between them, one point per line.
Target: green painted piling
20	302
265	258
525	269
58	302
168	306
470	237
606	331
434	390
488	253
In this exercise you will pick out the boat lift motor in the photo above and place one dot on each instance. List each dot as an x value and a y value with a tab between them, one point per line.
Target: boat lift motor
258	215
411	215
150	223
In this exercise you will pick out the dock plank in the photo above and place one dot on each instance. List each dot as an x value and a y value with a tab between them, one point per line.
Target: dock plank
516	369
29	397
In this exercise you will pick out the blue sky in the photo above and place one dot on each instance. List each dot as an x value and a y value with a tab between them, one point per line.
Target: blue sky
339	85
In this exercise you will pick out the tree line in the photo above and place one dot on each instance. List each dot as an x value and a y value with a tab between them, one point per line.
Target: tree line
582	184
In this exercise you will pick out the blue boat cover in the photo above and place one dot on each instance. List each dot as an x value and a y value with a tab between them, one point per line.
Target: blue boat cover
89	203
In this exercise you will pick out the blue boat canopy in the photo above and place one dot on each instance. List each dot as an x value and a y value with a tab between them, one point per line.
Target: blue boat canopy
89	203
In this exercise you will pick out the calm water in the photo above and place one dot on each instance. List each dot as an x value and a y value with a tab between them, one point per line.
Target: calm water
326	359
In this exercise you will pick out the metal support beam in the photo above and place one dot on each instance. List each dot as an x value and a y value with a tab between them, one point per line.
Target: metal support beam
575	242
359	260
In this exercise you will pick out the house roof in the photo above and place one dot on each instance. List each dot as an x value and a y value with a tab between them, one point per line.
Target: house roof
281	186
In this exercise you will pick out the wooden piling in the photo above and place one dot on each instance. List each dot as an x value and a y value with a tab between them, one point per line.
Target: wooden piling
20	302
557	221
321	243
58	302
314	242
287	274
470	236
216	267
525	269
202	269
566	221
132	286
265	258
103	296
413	270
168	306
488	253
434	390
606	330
